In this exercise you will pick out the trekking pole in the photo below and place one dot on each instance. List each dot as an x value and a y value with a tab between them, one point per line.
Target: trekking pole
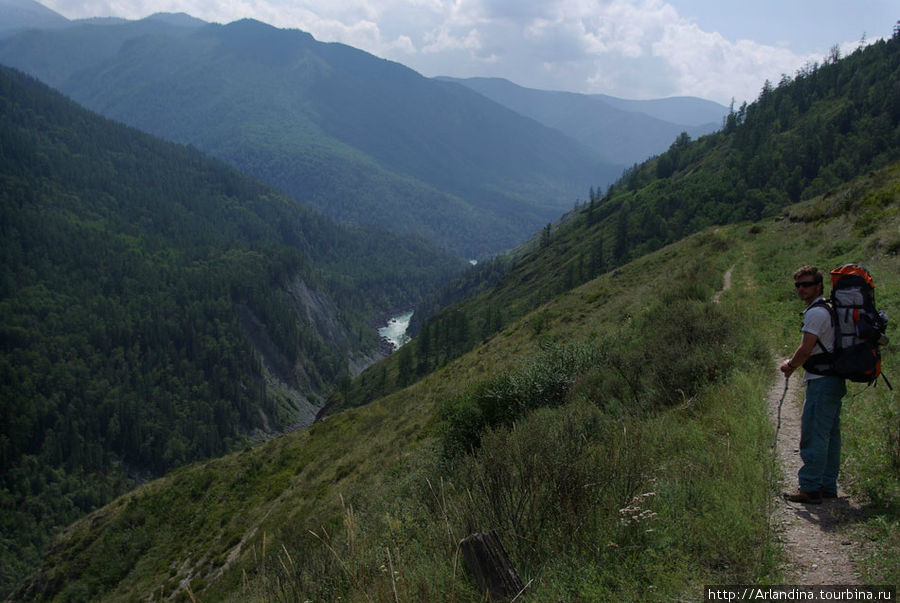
780	402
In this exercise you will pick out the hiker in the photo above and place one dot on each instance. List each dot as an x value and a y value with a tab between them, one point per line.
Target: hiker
820	427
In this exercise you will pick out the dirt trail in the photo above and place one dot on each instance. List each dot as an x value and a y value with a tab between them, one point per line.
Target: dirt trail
818	553
725	286
818	550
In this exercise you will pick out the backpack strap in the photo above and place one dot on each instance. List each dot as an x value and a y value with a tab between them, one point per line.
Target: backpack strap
832	315
823	362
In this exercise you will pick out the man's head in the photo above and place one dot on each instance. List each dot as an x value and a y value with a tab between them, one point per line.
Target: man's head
808	281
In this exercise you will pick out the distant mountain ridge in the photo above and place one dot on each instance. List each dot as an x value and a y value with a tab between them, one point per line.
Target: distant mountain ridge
28	14
688	110
22	14
627	131
362	139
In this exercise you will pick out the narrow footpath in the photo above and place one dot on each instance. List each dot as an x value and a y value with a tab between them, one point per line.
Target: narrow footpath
818	551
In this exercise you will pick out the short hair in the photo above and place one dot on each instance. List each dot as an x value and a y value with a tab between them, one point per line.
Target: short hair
809	271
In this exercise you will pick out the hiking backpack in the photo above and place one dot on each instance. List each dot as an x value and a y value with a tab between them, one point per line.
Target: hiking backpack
859	328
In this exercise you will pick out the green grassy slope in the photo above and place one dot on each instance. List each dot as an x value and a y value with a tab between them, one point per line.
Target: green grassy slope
630	460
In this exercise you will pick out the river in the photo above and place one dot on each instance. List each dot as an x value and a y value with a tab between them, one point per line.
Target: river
395	330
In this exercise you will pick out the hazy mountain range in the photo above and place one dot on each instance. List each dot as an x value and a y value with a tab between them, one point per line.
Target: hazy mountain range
362	139
619	130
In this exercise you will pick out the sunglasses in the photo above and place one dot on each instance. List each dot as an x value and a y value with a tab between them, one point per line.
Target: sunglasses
805	284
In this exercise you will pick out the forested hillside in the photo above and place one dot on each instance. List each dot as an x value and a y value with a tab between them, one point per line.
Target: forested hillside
616	439
810	133
157	307
362	139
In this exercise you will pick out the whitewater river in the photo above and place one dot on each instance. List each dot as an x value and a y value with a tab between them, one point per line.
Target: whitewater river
395	330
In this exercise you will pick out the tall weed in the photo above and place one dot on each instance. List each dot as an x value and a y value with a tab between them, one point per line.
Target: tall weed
546	482
661	358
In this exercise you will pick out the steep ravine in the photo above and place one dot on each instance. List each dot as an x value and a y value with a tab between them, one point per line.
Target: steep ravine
297	396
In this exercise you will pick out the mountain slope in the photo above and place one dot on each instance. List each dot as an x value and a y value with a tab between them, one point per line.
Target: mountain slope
157	307
801	139
26	14
363	139
636	467
621	131
611	425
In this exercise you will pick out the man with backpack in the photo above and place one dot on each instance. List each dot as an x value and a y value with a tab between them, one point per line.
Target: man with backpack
820	428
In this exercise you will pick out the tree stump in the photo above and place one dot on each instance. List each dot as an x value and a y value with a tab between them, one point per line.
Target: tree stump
488	561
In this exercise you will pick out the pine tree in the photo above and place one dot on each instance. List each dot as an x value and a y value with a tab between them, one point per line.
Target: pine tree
545	236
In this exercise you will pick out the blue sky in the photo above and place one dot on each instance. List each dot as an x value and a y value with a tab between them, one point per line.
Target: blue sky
804	27
627	48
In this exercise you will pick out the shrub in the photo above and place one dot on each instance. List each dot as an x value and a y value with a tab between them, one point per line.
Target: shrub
544	381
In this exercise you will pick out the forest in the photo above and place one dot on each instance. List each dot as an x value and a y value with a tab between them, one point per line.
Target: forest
130	267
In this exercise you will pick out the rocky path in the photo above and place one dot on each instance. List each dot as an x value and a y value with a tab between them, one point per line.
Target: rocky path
818	550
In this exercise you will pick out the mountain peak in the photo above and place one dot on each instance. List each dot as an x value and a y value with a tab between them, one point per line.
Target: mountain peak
251	30
180	19
26	14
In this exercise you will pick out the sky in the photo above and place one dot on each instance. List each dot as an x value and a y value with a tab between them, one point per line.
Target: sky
720	50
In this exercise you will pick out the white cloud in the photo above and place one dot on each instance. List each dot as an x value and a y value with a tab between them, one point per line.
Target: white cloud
706	64
631	48
627	48
442	40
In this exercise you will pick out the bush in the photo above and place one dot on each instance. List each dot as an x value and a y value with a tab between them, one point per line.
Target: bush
545	381
691	344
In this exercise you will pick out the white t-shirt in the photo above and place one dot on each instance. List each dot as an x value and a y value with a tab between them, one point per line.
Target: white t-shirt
817	321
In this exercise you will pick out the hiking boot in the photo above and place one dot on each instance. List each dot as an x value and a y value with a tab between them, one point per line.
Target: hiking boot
804	496
826	494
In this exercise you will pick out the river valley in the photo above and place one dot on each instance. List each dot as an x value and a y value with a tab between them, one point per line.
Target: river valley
395	330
